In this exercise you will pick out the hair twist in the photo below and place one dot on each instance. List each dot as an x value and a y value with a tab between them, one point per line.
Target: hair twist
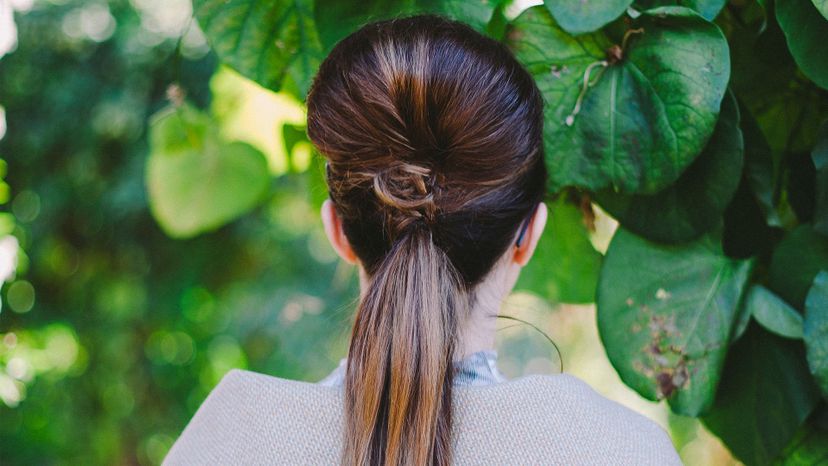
406	190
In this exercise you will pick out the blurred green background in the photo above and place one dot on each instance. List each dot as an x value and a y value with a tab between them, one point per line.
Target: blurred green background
111	332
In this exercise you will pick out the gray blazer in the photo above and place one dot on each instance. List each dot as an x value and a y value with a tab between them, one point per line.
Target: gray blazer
252	418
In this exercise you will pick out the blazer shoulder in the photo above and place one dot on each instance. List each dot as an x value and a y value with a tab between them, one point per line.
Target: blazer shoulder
246	410
585	423
641	434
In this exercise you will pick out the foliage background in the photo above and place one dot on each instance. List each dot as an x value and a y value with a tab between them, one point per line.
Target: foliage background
117	319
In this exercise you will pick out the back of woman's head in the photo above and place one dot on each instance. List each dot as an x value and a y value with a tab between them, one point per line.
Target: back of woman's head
433	135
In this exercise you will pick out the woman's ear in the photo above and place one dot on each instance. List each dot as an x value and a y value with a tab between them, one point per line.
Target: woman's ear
533	233
335	233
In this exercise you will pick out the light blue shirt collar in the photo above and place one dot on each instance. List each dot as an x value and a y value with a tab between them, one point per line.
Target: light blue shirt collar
478	368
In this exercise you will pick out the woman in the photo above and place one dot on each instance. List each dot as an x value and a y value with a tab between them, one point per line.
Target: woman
435	169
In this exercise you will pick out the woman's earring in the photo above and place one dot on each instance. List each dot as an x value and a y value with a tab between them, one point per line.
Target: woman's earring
522	232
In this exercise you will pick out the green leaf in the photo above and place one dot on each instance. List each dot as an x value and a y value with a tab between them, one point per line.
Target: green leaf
665	315
196	181
696	201
336	19
272	42
707	8
565	265
820	158
578	17
816	330
795	262
806	31
496	28
743	319
822	7
765	395
646	117
773	313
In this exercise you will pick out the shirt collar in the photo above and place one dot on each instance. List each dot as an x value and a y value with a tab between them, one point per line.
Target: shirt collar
478	368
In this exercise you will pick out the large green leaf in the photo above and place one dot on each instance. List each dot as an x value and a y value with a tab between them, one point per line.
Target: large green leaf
195	180
565	265
773	313
795	262
272	42
578	17
806	31
647	115
707	8
665	315
696	201
765	395
820	158
336	19
816	329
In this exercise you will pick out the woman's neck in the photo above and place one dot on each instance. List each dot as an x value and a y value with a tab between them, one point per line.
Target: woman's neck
477	333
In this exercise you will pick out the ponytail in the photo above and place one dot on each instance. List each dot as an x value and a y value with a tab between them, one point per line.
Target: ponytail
399	374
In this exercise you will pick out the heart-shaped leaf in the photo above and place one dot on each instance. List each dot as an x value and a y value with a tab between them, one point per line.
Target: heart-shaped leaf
565	266
707	8
665	314
773	313
266	41
816	330
632	117
195	180
806	31
696	201
578	17
765	395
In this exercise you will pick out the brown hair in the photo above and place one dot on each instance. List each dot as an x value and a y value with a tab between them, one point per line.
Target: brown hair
433	136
